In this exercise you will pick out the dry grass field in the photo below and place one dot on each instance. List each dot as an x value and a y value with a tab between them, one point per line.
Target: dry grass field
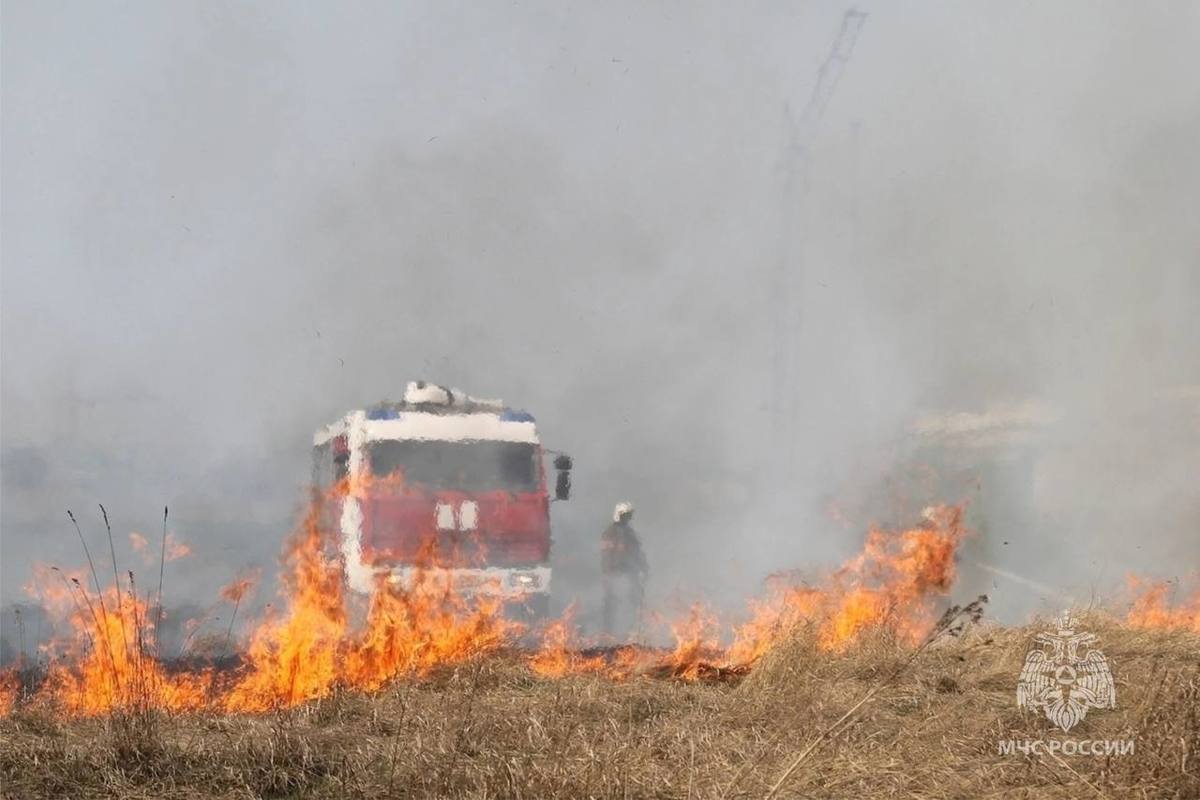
491	727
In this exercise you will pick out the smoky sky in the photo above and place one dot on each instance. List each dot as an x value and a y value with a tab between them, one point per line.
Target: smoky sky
225	224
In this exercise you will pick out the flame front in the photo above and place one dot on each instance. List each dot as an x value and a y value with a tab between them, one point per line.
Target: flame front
295	657
110	663
319	638
10	689
1155	606
894	582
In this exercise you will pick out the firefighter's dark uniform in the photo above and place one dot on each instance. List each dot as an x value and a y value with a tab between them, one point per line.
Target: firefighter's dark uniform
621	562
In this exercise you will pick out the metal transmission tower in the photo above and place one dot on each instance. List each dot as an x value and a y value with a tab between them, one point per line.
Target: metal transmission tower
787	277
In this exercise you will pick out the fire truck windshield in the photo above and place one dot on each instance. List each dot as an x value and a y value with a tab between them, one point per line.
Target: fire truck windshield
463	466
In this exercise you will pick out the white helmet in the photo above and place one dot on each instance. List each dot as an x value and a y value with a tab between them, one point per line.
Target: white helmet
622	511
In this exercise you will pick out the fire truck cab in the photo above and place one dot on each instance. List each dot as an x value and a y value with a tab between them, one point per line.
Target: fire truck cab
442	482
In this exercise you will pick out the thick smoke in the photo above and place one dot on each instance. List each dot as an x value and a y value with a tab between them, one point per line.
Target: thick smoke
226	225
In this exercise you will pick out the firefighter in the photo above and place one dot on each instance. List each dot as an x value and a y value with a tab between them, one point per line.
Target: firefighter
623	567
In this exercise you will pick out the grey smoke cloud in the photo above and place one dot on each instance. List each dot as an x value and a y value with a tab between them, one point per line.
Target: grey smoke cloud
223	226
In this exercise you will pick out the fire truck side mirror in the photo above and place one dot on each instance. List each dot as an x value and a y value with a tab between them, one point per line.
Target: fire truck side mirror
562	487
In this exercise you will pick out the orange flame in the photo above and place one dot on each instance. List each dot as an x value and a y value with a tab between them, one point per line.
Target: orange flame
1153	606
695	643
295	658
236	589
559	654
10	688
312	648
111	663
172	551
176	549
416	629
893	581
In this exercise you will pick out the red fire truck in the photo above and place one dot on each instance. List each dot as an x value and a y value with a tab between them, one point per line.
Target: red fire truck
444	483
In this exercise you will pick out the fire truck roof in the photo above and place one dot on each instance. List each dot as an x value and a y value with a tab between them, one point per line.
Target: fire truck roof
433	412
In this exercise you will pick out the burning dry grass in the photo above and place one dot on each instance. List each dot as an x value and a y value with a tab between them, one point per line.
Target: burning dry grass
1162	604
831	690
491	727
312	646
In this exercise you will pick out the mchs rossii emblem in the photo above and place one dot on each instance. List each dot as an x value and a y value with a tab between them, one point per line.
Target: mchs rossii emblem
1063	680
